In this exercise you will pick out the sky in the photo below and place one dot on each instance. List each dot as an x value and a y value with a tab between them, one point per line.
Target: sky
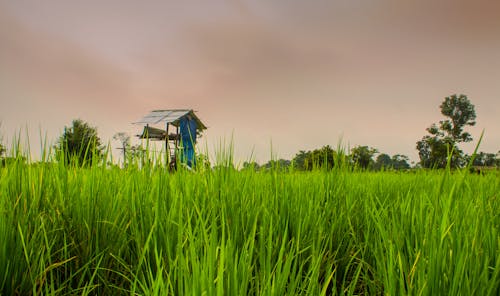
272	77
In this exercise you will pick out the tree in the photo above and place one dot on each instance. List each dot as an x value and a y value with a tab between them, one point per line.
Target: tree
124	139
300	160
434	149
400	162
322	158
281	164
460	112
250	165
485	160
363	156
325	158
2	148
396	162
79	144
383	161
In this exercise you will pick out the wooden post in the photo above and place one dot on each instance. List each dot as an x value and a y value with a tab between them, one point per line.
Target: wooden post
167	147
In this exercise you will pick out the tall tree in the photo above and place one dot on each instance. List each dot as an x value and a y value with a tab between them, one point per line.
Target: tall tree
443	139
79	144
363	156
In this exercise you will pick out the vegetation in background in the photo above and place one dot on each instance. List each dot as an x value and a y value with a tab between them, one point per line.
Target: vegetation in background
2	148
443	139
79	144
124	140
362	156
483	159
325	157
397	162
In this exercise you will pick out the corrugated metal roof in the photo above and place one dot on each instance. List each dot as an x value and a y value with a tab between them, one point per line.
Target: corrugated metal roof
169	116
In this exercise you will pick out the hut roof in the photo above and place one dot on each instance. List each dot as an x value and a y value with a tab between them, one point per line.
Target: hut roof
171	116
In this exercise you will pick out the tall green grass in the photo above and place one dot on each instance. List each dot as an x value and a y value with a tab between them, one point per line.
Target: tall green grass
103	230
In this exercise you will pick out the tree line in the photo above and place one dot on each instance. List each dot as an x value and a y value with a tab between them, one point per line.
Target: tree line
326	157
438	149
80	144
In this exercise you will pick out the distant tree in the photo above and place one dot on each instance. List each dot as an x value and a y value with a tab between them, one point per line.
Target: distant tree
277	164
363	156
124	140
442	140
400	162
79	144
396	162
300	160
383	161
485	160
252	165
2	150
434	151
322	158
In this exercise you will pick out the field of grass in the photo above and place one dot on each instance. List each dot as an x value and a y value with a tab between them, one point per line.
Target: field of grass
112	231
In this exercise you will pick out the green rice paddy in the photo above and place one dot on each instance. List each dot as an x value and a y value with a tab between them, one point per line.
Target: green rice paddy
144	231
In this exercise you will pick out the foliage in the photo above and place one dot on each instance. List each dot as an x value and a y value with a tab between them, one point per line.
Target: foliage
202	162
79	144
400	162
382	161
108	231
483	159
397	162
441	143
460	112
362	156
434	151
324	157
280	164
250	165
2	148
301	160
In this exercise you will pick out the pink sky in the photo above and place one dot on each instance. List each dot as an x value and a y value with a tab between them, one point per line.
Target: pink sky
297	74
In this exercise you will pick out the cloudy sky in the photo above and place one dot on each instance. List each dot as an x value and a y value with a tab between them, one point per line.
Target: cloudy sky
294	75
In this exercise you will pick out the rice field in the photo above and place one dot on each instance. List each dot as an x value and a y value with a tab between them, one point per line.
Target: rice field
144	231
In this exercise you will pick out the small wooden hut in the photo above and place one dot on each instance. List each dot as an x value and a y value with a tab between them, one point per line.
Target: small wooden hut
171	120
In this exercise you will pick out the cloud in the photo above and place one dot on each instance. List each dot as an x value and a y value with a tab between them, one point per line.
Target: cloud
258	51
53	71
298	72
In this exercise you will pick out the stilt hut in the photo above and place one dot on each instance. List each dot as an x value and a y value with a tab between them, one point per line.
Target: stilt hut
181	129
